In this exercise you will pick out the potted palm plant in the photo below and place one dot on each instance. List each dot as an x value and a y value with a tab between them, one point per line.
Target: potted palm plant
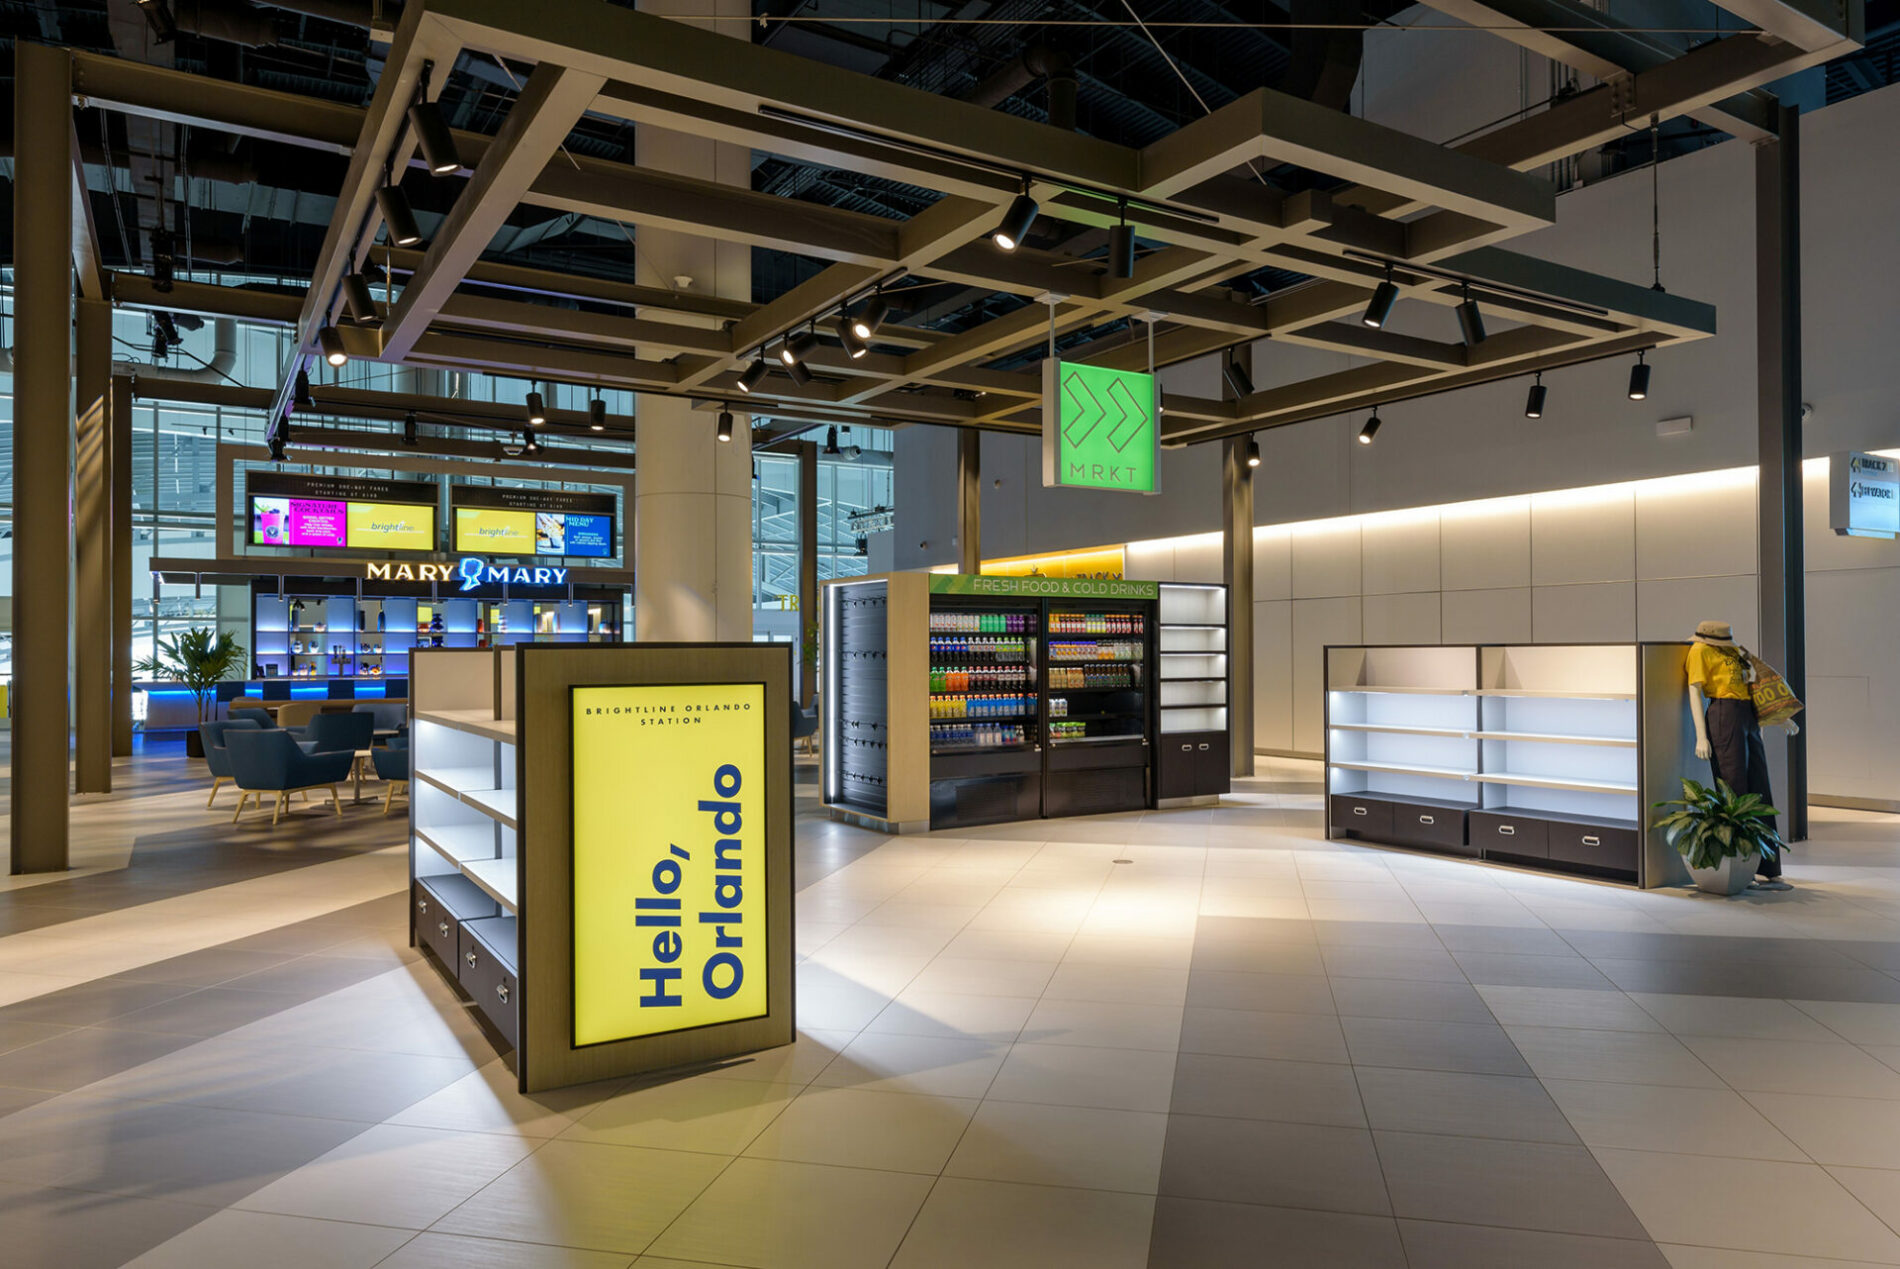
199	659
1721	834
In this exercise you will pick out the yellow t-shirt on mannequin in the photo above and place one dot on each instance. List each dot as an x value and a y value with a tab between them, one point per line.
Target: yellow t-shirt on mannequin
1718	672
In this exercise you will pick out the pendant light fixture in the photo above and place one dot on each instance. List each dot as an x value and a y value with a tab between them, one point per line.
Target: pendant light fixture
359	301
1253	453
848	336
300	392
1384	296
537	409
277	449
1121	247
411	432
1534	400
800	375
330	340
597	415
797	346
1370	430
725	425
434	138
529	445
398	217
1639	378
872	315
753	375
1014	227
831	442
1470	320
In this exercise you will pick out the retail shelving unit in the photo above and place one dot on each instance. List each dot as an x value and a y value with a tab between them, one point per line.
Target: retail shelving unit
1100	705
1193	762
1543	755
502	887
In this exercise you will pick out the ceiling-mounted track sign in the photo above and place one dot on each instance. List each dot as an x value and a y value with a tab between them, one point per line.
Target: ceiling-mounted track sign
1101	428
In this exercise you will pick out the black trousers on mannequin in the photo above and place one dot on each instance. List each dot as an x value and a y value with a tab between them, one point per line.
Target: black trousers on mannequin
1737	756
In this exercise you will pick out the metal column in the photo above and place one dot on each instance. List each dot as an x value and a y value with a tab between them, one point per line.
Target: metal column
969	500
121	461
1237	572
1778	438
92	548
42	472
807	569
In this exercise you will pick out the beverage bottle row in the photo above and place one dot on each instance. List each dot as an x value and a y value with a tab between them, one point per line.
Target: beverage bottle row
1068	731
986	705
1098	650
1103	676
981	678
1110	623
977	735
952	649
981	622
1058	706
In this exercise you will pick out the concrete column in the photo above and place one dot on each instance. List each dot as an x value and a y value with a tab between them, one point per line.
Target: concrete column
1778	447
1237	572
807	566
120	418
692	503
92	548
42	461
969	500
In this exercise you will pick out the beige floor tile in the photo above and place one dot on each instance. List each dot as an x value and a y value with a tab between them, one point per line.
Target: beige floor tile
1008	945
1621	1057
245	1240
1118	984
487	1101
1877	1188
766	1214
972	976
577	1194
1681	1257
1566	1007
1732	1016
1147	953
915	1064
1851	1132
1083	1147
705	1115
1088	1022
1857	1021
1710	1121
994	1225
452	1251
1084	1075
1793	1066
850	1127
796	1063
950	1015
388	1175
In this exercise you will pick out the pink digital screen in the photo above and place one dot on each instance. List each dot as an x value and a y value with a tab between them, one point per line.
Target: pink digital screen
299	522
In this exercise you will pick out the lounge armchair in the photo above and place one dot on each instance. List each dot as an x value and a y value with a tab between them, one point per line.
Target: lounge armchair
337	733
392	767
217	757
259	718
272	762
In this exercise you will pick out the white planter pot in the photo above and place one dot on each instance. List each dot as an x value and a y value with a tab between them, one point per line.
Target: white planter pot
1733	876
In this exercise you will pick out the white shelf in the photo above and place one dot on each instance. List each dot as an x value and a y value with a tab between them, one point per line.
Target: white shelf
1557	782
499	803
497	877
478	721
1404	768
474	786
459	843
1407	691
458	780
1557	738
1542	694
1456	733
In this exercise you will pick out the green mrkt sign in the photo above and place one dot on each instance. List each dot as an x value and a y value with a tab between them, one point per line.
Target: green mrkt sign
1100	428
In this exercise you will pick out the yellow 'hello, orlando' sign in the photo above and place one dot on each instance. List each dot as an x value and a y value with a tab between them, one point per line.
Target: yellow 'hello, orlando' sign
669	858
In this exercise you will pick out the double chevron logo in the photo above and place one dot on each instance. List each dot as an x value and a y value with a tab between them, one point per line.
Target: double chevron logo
1099	428
1085	409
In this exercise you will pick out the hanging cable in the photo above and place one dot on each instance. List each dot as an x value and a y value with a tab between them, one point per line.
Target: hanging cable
1655	200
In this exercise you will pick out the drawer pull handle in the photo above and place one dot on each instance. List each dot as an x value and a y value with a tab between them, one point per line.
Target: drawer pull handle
1359	810
422	905
1592	841
1203	746
1507	830
1187	748
443	928
1426	819
471	960
501	992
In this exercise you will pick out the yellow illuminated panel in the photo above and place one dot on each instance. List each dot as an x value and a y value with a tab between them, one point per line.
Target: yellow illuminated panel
492	531
669	858
392	527
1106	562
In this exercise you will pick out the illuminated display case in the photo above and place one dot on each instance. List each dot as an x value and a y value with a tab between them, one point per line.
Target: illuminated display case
1193	759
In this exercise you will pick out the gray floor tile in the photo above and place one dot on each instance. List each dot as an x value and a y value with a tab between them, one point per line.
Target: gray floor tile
1264	993
1481	1048
308	977
1259	1088
1280	956
1454	1103
208	1012
1415	934
1435	1245
1876	954
1714	949
1754	978
17	1035
71	1229
1279	1165
1198	1234
1353	960
79	1057
206	968
90	1003
1400	998
1507	939
1515	1184
1498	969
1213	930
1294	1037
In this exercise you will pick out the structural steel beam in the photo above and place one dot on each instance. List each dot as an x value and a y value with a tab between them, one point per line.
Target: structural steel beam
92	547
1813	25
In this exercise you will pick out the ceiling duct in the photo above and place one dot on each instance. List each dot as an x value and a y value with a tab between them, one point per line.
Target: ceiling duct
1324	63
1037	62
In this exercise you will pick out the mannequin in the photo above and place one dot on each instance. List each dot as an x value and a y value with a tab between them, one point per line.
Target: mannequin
1727	731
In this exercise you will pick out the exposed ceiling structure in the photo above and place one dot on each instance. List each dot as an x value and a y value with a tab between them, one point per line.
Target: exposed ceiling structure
1261	207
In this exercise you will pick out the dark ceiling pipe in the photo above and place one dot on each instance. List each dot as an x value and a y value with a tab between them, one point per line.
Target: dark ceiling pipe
1323	65
230	21
1039	61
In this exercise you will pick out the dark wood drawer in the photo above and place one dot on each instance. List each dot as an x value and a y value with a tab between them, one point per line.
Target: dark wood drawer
1177	771
1613	848
1432	827
1508	833
1354	815
1213	755
442	903
486	971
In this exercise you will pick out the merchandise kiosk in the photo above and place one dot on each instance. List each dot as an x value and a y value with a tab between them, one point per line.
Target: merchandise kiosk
953	700
601	849
1544	756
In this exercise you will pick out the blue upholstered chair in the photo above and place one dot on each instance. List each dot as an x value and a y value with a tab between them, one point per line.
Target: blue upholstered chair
804	726
256	717
389	715
272	762
392	767
217	757
336	733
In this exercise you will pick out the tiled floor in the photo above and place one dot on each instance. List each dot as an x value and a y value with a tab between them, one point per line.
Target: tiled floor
1189	1039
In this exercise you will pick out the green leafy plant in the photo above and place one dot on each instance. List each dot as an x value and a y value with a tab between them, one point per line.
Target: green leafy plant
199	659
1716	824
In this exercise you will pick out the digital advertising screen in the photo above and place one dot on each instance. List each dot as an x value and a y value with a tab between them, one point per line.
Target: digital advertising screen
503	521
689	866
336	511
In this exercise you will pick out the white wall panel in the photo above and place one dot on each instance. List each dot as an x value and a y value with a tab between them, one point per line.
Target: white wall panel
1604	612
1272	564
1671	610
1273	675
1485	546
1200	559
1840	716
1326	561
1399	554
1149	561
1588	536
1402	618
1487	616
1317	623
1699	527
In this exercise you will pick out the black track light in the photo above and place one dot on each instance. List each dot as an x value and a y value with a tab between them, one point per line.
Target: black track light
1014	227
529	445
398	217
330	340
434	137
799	374
411	433
1470	320
1253	453
358	300
754	375
161	347
797	346
300	392
1370	430
277	449
164	261
285	432
1237	379
1534	399
597	415
848	336
537	409
831	442
1639	378
1121	250
871	316
725	425
1384	296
